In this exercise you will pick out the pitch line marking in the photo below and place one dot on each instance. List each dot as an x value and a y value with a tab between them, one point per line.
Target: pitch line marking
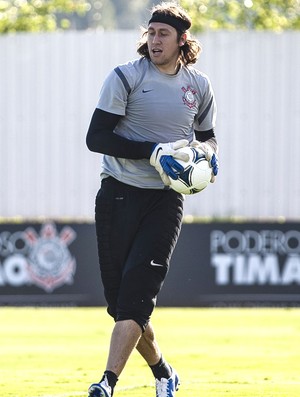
83	394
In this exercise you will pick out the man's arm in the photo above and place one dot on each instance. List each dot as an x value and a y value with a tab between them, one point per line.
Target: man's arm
101	138
209	138
206	141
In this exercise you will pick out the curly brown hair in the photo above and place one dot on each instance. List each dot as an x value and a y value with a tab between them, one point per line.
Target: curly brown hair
191	50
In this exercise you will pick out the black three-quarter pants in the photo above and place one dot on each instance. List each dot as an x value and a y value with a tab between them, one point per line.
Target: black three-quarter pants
137	230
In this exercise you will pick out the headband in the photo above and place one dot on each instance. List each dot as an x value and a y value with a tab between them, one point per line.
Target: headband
177	23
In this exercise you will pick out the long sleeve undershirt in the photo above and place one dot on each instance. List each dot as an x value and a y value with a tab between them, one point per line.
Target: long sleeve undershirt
101	138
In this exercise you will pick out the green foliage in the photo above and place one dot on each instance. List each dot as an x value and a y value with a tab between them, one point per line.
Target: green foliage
50	15
38	15
275	15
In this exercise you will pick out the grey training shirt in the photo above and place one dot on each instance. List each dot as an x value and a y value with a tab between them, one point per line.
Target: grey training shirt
156	107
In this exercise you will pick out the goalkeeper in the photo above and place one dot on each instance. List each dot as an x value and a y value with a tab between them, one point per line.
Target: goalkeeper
148	109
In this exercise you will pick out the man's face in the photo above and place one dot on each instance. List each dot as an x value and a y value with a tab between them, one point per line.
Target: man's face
163	46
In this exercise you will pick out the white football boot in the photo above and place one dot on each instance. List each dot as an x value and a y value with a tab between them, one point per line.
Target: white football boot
101	389
167	387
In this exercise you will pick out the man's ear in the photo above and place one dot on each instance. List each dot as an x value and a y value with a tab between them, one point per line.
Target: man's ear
182	39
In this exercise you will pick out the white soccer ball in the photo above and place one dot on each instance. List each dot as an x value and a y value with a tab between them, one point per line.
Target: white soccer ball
196	174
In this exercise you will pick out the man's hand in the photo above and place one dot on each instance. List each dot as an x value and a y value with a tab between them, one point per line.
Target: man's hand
210	156
163	159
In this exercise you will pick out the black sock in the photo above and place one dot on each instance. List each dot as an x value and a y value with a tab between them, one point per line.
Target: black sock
161	369
111	378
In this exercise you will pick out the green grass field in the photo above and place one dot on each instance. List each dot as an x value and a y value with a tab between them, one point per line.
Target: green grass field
58	352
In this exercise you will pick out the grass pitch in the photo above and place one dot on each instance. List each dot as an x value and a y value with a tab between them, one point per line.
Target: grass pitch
217	352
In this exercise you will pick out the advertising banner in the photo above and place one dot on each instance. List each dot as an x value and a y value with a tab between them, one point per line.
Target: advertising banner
49	264
215	264
235	264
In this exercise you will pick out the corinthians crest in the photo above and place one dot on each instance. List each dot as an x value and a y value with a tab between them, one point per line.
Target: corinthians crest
189	97
50	263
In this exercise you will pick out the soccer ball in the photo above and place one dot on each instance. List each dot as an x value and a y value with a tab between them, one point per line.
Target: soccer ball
196	174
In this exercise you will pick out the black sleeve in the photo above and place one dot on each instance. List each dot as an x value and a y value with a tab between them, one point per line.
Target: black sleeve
203	136
101	138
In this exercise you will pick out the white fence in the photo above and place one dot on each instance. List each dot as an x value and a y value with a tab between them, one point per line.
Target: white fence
49	87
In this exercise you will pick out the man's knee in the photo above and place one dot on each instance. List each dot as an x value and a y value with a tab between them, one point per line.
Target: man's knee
140	319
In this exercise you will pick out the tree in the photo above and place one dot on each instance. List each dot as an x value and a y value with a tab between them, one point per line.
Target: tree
276	15
39	15
50	15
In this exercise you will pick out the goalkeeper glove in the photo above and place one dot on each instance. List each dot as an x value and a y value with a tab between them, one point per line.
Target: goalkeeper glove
163	159
210	156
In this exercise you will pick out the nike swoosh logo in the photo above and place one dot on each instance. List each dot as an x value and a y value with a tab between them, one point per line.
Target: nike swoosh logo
156	264
144	91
